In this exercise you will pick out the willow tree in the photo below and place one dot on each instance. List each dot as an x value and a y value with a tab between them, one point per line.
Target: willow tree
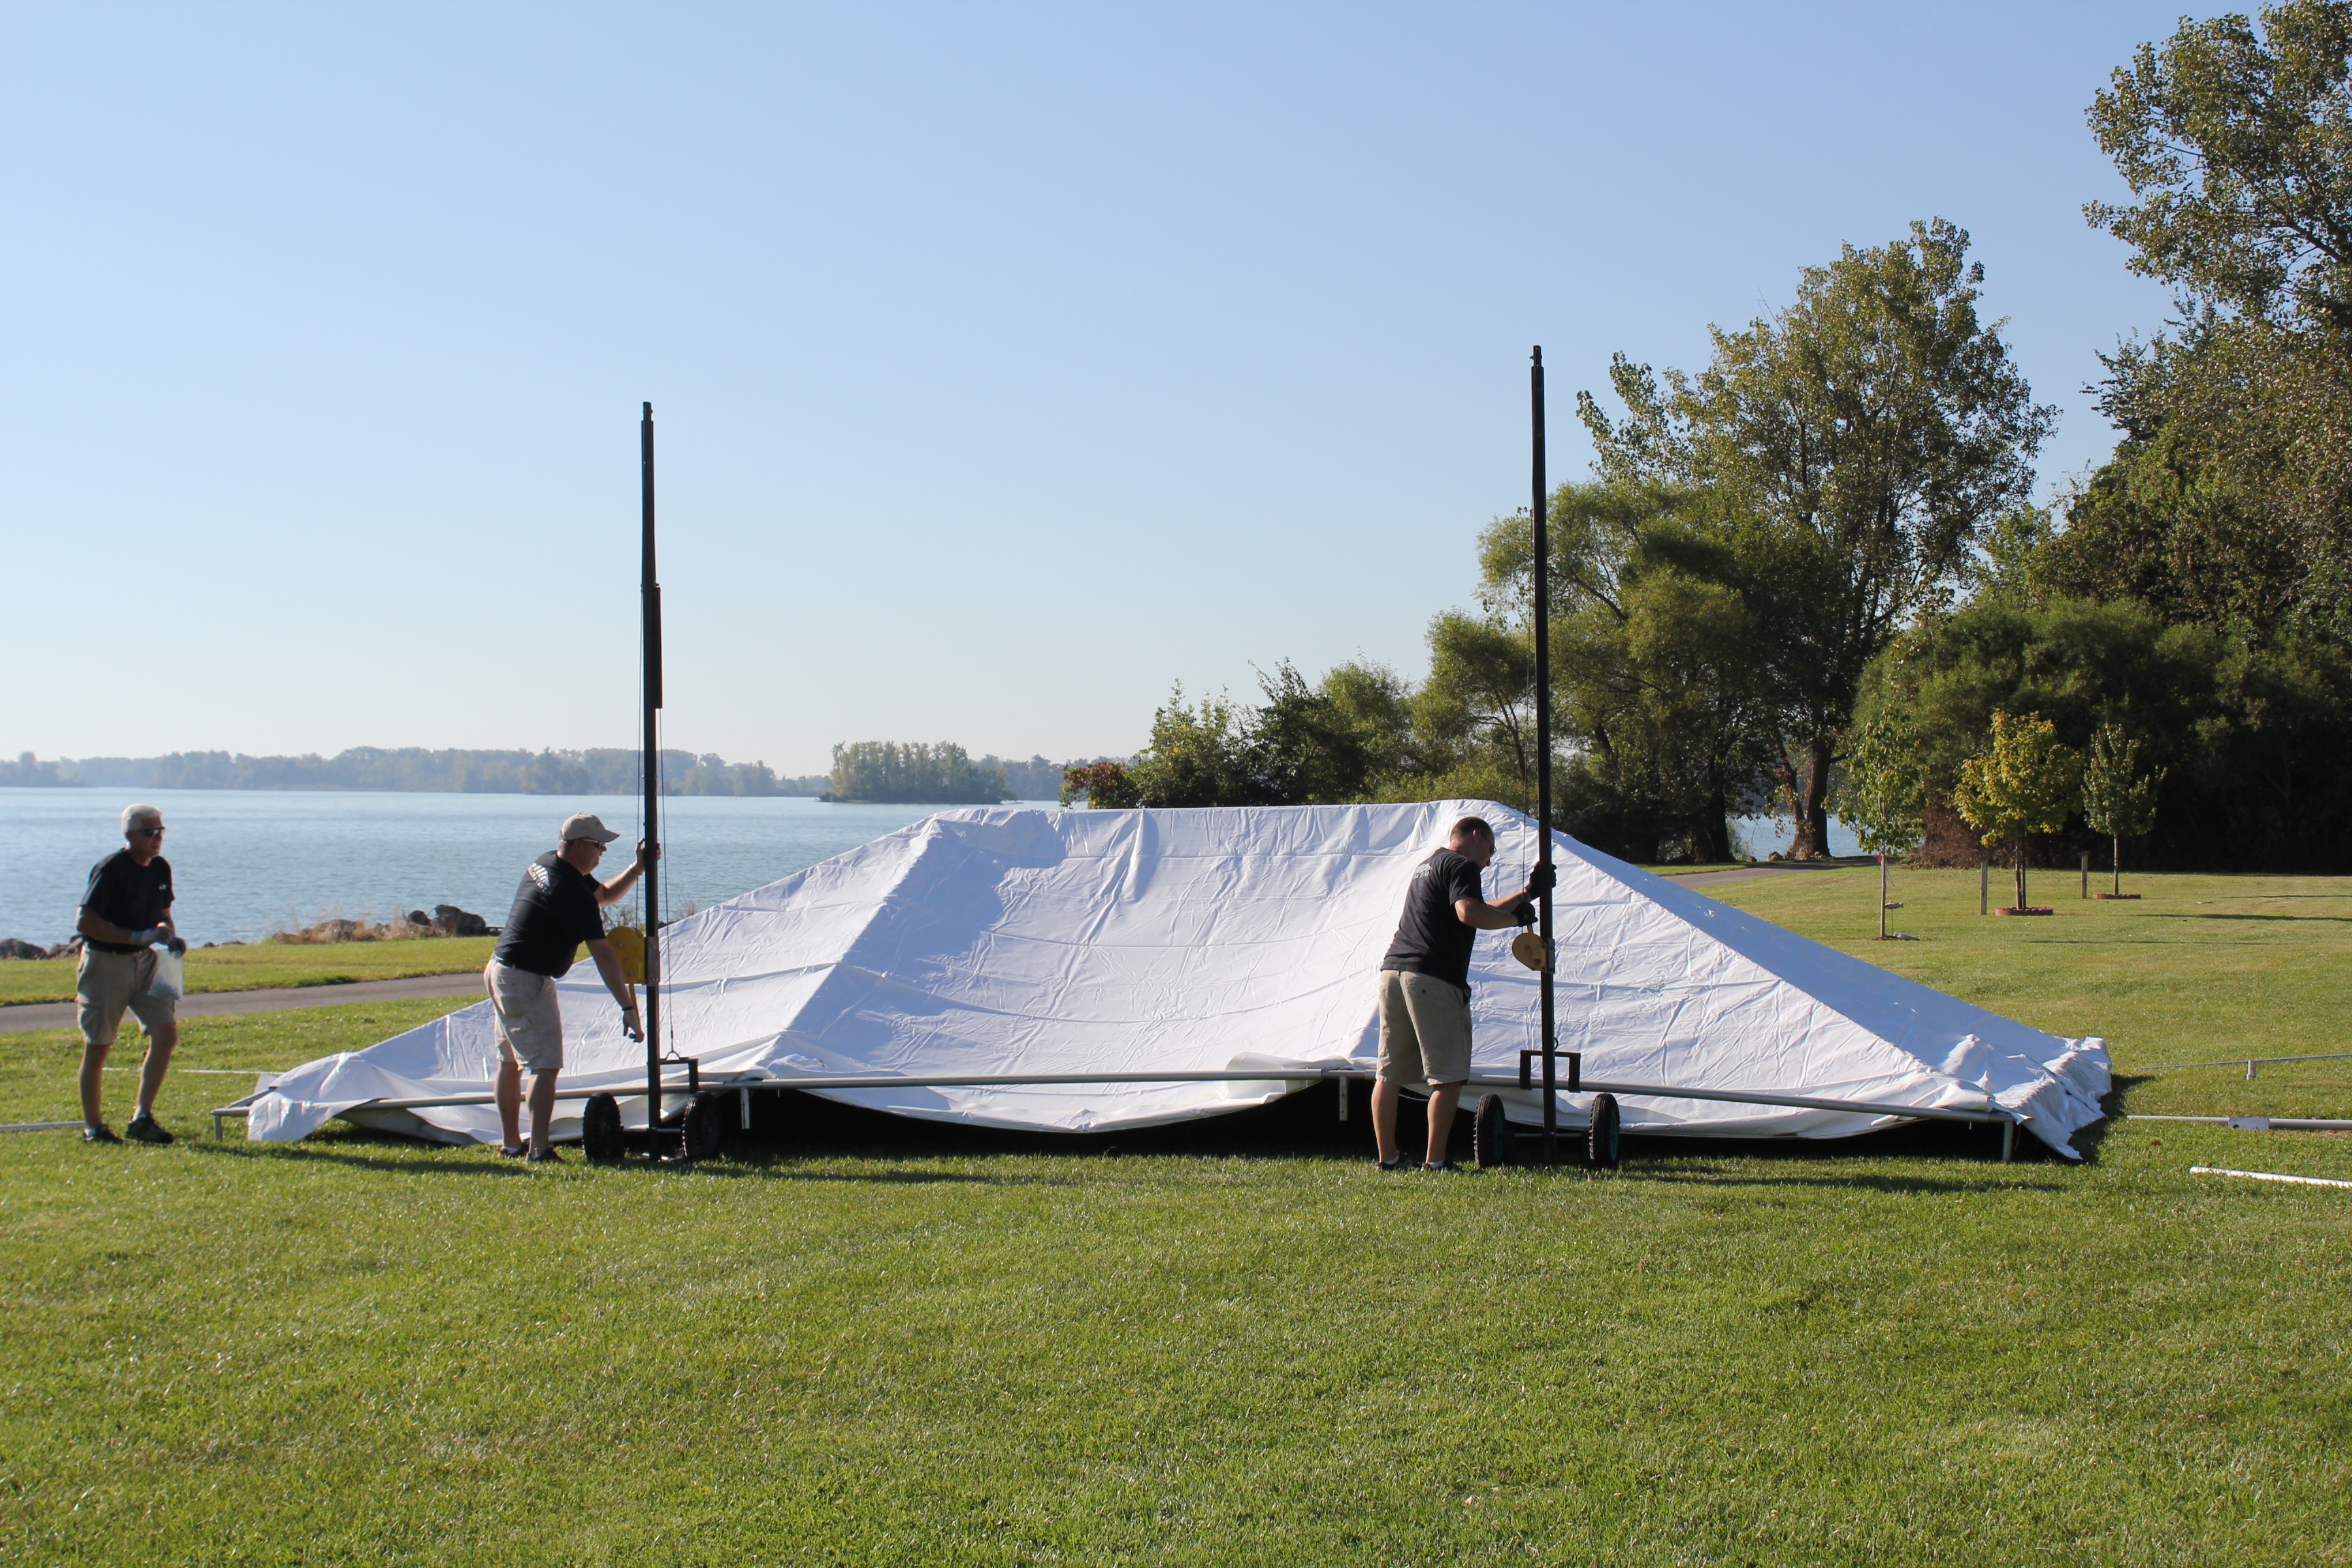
2026	781
1853	449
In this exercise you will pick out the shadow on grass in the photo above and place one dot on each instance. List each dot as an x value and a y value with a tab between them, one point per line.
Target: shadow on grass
2092	1140
2167	915
791	1130
415	1162
1683	1174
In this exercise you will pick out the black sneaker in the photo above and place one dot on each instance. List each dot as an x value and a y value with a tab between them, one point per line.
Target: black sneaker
146	1130
543	1157
98	1136
1444	1165
1394	1163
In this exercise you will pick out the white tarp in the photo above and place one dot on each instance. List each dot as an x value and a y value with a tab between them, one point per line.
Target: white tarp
1031	941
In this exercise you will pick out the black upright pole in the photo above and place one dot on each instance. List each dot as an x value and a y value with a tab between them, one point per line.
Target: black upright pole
1539	510
651	587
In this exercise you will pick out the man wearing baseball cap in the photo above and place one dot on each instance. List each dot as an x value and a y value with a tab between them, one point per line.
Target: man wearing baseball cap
559	906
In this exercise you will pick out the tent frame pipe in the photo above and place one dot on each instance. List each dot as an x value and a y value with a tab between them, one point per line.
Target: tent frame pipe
1539	516
2006	1120
649	586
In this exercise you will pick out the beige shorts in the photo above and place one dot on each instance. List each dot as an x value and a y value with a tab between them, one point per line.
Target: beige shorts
1424	1029
530	1030
105	983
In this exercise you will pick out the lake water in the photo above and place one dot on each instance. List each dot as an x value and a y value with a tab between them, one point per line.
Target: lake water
249	862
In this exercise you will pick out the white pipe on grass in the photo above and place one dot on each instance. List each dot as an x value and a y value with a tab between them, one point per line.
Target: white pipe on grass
2266	1177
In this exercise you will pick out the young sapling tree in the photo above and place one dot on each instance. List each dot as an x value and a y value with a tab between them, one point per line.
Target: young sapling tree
2117	798
2026	782
1883	795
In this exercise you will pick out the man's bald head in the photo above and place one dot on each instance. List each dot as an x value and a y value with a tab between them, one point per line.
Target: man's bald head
1474	838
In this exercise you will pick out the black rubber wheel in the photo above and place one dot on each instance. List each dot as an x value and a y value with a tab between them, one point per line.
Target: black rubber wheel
1600	1134
1490	1134
706	1126
600	1127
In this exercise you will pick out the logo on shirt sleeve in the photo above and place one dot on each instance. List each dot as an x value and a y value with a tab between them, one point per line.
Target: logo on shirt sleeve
537	874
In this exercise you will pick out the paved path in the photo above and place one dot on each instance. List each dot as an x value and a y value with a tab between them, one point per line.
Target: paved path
1780	868
220	1004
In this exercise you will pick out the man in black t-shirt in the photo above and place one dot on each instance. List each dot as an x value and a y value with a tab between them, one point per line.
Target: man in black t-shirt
1426	986
559	906
125	911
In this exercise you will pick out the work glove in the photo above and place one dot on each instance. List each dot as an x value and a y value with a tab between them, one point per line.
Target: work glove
179	947
1540	879
154	934
1524	911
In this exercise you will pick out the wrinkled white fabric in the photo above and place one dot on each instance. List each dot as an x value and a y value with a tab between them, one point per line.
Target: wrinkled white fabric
1023	940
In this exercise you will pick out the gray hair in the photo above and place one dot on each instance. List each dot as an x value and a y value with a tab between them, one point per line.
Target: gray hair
133	816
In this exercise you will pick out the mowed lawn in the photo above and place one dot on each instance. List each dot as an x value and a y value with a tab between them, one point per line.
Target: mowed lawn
2198	969
866	1342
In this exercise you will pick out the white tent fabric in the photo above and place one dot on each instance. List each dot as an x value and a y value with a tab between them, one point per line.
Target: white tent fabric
1033	941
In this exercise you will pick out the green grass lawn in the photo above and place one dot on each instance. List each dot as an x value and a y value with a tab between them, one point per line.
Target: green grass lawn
264	965
866	1342
2199	969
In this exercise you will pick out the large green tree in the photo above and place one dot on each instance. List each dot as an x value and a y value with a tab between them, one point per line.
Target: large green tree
2230	498
2250	736
1334	739
1474	718
2238	148
1851	450
1654	661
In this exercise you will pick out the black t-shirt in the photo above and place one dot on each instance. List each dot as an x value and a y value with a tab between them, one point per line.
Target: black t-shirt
123	892
554	911
1431	938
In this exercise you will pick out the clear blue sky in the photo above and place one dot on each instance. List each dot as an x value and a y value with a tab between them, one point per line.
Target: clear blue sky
1011	361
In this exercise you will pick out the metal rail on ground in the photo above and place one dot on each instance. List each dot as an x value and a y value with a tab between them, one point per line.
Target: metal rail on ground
2252	1062
2006	1120
2261	1124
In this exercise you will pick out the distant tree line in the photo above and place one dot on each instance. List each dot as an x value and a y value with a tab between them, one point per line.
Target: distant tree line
915	773
597	771
1809	576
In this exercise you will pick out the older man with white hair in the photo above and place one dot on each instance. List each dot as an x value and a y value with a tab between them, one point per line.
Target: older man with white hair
125	912
559	906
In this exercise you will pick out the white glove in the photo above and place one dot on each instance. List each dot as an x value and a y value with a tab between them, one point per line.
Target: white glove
154	934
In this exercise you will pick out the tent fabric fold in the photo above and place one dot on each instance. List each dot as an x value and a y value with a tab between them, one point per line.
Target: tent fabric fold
1026	942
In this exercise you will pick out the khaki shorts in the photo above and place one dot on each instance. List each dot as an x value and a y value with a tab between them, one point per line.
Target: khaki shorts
105	983
530	1030
1424	1029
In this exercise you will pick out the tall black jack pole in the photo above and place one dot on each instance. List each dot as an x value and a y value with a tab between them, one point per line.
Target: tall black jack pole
1539	511
651	588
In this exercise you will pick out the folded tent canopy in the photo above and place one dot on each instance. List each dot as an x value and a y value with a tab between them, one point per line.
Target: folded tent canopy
1033	943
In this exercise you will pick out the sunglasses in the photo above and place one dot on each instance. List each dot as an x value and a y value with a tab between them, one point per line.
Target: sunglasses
148	832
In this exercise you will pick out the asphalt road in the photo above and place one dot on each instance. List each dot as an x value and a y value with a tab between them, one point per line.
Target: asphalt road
221	1003
1779	869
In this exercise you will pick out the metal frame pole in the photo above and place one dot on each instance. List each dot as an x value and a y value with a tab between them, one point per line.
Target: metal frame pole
651	589
1540	513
